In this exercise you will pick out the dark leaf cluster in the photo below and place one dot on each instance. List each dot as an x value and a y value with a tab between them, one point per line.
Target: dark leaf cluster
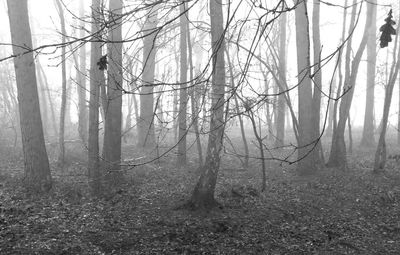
387	30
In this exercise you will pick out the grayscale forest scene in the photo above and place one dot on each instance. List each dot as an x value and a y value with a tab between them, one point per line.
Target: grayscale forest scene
200	127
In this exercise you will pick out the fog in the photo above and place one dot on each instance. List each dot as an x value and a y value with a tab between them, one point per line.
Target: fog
199	127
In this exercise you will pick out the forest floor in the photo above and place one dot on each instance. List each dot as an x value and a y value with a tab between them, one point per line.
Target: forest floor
333	212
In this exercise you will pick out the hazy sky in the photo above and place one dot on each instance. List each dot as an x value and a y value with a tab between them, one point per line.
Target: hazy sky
45	23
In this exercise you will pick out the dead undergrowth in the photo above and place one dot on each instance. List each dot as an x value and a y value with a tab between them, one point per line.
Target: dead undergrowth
333	212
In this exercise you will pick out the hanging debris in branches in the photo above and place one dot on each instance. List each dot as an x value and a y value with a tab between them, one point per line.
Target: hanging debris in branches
103	63
387	30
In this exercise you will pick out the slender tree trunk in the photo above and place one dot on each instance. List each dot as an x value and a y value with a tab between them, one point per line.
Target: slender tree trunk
133	99
268	115
259	139
175	101
306	145
43	104
203	194
317	153
280	119
41	85
331	120
340	85
136	110
338	157
128	121
350	135
68	120
242	130
103	100
175	115
146	122
36	163
113	112
81	80
95	81
367	139
49	97
192	93
183	100
398	118
380	154
61	134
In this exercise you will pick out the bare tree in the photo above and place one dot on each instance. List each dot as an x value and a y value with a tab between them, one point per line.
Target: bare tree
203	194
306	142
281	108
183	99
193	97
238	112
380	154
113	112
146	121
338	158
61	154
81	80
96	78
36	163
368	128
317	73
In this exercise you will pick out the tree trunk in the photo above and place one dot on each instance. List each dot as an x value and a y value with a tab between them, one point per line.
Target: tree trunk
331	119
280	119
183	100
113	112
68	120
340	84
36	163
306	143
81	80
398	118
95	81
133	99
43	103
242	130
338	157
193	96
317	153
146	122
50	99
259	139
203	194
380	154
350	135
367	139
61	153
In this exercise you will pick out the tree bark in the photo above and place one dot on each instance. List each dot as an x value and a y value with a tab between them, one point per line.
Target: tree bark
367	139
50	99
203	194
43	103
280	119
317	153
239	114
61	154
193	98
380	154
36	163
183	99
338	157
146	123
306	144
113	112
81	80
340	73
95	81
